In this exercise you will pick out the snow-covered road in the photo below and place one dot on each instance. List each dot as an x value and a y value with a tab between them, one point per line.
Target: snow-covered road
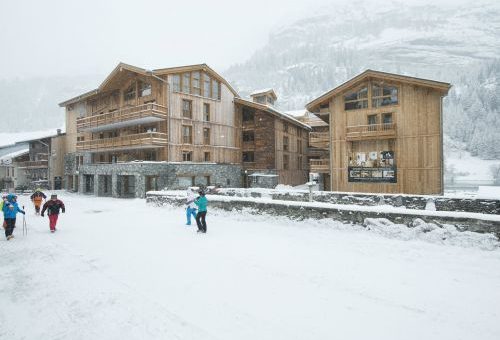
119	269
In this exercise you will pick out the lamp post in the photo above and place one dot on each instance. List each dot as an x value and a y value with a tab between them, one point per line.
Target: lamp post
168	97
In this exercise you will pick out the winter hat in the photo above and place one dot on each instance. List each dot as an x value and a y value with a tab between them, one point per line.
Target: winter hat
53	196
201	192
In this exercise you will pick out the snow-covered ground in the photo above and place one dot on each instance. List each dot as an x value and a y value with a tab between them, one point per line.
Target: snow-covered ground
119	269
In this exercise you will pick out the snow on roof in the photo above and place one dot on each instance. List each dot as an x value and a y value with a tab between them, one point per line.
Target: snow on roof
261	91
14	154
11	138
297	113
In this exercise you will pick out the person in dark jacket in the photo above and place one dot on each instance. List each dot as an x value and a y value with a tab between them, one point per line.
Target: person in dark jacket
37	198
53	206
201	202
10	210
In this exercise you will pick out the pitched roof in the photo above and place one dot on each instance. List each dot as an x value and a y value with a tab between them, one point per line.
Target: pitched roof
157	72
271	110
440	86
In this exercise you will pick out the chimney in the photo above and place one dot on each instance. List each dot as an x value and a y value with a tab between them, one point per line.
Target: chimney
58	132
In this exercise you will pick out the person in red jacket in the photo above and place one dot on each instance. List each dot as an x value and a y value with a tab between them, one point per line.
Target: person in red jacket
53	206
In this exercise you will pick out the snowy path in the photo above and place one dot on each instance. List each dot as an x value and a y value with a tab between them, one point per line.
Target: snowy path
118	269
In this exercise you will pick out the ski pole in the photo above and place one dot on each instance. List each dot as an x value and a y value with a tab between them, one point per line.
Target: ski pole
25	228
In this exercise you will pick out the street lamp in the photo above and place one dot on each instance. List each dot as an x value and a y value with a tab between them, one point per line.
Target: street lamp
168	97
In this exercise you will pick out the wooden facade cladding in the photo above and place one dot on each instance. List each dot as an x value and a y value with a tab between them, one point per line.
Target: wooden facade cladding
407	129
138	109
279	144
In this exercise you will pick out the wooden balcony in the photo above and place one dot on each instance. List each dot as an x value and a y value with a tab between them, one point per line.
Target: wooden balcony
129	116
41	164
146	140
320	140
319	165
373	131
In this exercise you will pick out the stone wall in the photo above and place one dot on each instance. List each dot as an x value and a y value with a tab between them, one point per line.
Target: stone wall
343	215
166	174
483	206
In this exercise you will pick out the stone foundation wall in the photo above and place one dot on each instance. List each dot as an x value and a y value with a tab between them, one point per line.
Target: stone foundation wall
167	175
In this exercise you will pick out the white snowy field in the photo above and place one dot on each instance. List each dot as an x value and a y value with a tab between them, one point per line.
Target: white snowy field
119	269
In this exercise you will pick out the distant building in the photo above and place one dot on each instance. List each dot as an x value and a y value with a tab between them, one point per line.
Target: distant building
385	134
10	158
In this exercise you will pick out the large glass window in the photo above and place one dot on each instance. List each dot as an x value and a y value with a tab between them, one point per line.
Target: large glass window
144	89
215	89
187	134
285	143
196	83
187	109
383	95
129	94
206	86
206	112
357	99
206	136
187	156
176	83
186	82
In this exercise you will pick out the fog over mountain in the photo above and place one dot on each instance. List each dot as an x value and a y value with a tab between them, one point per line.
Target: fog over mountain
456	42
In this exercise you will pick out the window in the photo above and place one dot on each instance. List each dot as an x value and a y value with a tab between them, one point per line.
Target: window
187	156
357	99
207	156
248	156
285	127
299	162
260	99
286	162
196	83
206	86
186	82
187	109
270	100
215	89
387	118
383	95
285	143
372	122
102	158
206	112
187	134
12	172
299	146
206	136
144	89
129	94
207	180
176	82
248	136
248	115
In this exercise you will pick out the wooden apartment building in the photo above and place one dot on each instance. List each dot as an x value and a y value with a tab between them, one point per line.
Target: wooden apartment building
274	144
385	134
175	127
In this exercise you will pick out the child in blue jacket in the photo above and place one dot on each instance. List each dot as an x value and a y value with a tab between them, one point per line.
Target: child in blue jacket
10	210
201	202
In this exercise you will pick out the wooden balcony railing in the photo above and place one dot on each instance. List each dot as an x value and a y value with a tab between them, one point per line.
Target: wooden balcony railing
122	115
372	131
34	164
135	141
319	165
319	140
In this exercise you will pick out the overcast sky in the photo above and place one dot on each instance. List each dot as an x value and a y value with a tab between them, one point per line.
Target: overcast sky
90	37
57	37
